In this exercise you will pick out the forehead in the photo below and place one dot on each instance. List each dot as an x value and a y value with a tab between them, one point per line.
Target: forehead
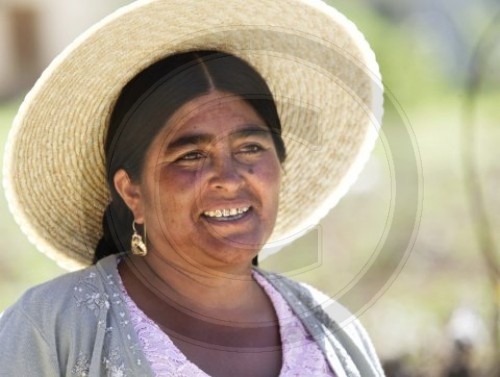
215	113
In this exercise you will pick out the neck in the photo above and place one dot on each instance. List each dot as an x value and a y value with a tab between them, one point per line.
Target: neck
226	294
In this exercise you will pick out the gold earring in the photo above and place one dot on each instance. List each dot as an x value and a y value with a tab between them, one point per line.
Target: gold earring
137	244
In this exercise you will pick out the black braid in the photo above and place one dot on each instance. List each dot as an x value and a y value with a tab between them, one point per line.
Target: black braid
117	230
255	261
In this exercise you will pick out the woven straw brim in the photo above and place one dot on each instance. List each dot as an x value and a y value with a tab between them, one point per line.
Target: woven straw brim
319	67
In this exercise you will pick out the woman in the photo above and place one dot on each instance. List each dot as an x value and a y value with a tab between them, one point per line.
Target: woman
190	121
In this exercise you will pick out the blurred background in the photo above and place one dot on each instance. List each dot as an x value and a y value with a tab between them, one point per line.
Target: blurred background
412	249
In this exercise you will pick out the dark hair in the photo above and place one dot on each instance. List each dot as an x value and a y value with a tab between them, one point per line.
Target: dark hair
149	100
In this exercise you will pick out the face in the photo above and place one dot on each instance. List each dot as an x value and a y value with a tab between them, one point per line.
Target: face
209	189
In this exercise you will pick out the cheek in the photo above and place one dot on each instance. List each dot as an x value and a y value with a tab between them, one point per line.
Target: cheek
176	181
176	191
269	176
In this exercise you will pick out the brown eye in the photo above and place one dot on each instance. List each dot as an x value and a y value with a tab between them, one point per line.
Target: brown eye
251	149
192	156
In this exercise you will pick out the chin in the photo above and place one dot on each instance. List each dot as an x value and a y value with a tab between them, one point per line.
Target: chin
233	254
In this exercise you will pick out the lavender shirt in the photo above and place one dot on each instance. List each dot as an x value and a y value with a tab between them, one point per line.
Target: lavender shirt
301	355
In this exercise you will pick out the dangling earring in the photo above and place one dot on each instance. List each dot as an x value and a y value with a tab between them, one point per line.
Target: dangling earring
137	244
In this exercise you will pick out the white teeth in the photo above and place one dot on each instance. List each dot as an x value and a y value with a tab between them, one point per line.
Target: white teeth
226	212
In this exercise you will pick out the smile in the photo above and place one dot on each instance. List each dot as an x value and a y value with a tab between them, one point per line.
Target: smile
226	214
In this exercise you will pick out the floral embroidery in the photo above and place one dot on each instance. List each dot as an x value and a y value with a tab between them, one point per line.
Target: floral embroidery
105	304
114	365
87	294
81	368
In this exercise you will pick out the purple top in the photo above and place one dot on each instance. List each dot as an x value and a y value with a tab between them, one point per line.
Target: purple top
301	355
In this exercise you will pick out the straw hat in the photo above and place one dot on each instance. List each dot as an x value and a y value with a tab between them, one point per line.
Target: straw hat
319	67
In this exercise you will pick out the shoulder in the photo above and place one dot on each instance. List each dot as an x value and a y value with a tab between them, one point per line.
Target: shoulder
310	296
36	332
57	294
315	307
59	299
57	323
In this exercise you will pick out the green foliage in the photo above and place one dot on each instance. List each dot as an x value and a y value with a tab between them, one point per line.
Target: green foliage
410	70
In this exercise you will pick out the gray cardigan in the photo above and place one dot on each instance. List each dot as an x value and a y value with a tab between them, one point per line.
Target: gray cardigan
78	325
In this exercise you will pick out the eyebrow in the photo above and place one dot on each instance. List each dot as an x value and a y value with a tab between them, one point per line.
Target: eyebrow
197	139
203	139
251	131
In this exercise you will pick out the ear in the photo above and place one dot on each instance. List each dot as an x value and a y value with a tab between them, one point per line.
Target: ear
130	193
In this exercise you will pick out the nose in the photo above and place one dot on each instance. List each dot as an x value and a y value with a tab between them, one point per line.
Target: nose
225	172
